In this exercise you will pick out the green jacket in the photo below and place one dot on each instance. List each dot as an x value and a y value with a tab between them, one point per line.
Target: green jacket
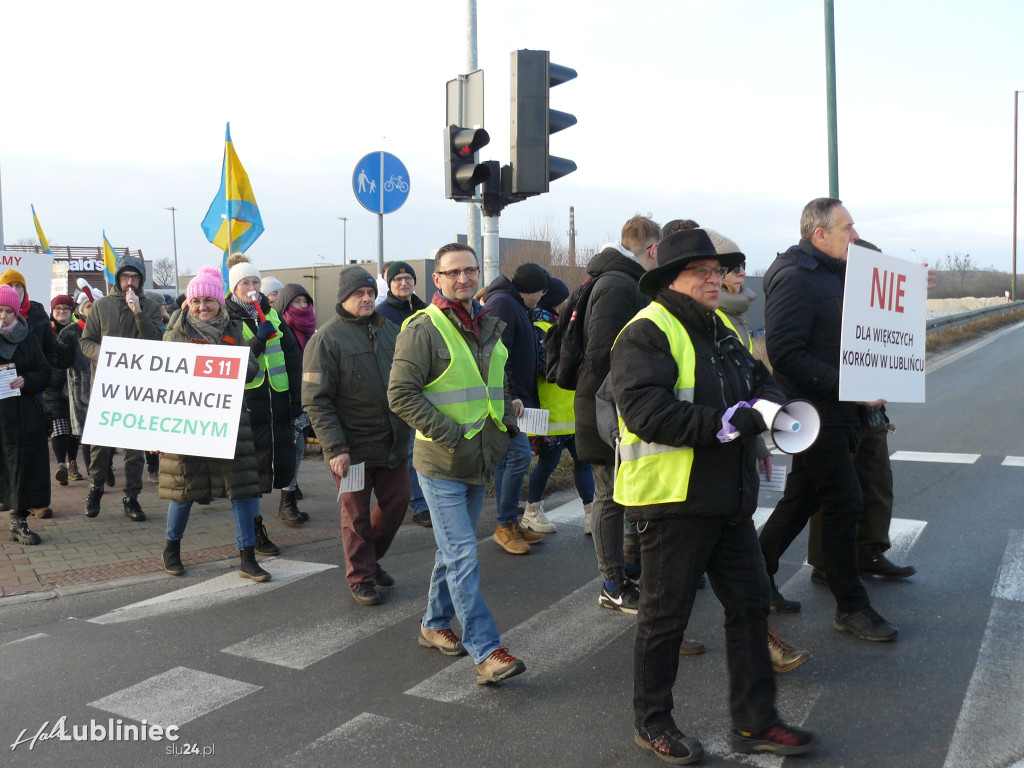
421	355
111	316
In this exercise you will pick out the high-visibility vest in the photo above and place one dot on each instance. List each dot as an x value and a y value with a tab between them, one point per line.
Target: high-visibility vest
460	392
557	401
272	359
728	324
653	473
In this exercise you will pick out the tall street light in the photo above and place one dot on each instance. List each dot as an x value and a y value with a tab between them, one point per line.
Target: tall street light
1013	284
344	239
174	234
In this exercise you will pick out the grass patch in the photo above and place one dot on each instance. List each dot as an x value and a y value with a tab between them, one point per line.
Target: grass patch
952	337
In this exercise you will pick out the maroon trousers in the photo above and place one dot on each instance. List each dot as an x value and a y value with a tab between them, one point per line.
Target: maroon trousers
367	535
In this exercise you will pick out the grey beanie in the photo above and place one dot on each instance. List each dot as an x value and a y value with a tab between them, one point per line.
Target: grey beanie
351	279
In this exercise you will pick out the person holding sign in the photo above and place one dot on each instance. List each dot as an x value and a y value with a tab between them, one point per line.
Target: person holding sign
24	460
185	480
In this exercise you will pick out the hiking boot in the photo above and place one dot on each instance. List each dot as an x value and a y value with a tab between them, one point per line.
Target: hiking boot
382	577
880	565
288	511
781	604
20	532
73	473
132	510
535	520
818	576
500	665
61	475
784	656
365	593
510	539
92	502
249	568
445	640
691	648
172	558
780	738
422	518
530	537
263	543
43	513
866	624
588	517
670	746
624	597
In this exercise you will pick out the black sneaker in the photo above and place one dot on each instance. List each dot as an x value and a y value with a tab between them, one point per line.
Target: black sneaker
780	738
625	598
781	604
422	518
92	502
670	746
132	510
20	533
866	624
365	593
382	577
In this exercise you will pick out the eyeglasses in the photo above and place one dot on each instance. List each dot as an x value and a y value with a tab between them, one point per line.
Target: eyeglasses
704	272
455	274
741	267
403	279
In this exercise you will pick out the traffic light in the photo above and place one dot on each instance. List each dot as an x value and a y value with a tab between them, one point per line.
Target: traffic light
533	121
462	172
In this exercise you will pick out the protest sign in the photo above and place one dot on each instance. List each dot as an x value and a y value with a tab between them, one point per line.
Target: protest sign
37	268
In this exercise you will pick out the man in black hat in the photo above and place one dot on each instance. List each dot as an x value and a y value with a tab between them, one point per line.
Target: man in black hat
687	472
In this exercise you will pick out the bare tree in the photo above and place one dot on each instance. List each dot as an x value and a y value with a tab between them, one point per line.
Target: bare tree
164	275
960	264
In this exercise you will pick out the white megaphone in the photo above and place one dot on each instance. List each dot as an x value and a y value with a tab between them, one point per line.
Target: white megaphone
794	424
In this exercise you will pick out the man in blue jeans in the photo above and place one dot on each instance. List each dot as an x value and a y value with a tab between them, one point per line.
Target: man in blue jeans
447	382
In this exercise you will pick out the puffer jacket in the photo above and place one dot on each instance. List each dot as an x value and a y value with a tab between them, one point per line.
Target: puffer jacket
55	396
723	480
505	301
421	356
79	375
201	478
345	373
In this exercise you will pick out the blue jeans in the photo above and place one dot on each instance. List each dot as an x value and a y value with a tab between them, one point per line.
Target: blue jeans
244	511
509	476
416	503
547	462
455	581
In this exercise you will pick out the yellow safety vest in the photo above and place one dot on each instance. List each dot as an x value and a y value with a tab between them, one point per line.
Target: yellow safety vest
728	324
558	401
653	473
460	392
272	359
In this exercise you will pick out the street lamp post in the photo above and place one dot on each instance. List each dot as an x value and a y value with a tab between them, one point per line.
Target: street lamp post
344	239
1013	284
174	234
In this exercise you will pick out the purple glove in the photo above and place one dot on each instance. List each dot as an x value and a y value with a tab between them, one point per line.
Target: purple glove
728	432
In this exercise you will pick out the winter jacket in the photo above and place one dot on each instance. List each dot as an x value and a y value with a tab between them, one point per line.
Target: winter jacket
803	292
111	316
79	375
24	454
55	396
421	356
396	310
614	300
735	305
201	478
505	301
723	479
39	326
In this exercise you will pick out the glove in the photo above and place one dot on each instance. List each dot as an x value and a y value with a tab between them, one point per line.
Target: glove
265	331
748	422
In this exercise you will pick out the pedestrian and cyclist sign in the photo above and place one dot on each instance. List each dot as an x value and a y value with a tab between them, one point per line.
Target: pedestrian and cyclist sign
380	182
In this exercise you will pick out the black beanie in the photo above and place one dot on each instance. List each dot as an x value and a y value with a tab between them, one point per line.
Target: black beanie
351	279
399	268
530	278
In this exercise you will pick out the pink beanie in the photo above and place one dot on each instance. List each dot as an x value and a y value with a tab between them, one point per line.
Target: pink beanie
207	283
9	298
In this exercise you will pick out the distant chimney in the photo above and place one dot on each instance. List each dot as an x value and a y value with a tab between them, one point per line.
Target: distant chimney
572	236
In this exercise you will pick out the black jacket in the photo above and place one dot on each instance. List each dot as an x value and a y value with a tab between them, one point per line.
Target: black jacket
614	300
803	310
505	301
724	480
396	310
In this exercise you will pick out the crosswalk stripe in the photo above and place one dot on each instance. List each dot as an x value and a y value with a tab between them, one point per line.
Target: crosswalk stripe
297	647
937	458
36	636
212	592
547	641
1013	461
363	741
903	534
570	513
1010	581
174	697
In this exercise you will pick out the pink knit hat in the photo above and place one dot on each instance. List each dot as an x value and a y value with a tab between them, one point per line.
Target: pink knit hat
9	298
207	283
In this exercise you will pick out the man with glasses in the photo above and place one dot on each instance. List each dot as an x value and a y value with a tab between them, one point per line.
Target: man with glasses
447	382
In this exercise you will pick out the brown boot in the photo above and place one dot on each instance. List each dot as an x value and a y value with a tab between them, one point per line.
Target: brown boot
784	656
508	538
530	537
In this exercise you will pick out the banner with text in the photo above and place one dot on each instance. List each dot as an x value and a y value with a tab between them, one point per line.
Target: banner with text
883	337
167	396
37	269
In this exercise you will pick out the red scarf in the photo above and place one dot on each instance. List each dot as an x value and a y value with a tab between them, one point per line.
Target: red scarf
472	322
302	322
25	305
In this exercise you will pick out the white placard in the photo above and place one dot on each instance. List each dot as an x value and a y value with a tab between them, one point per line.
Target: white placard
778	481
883	339
59	280
534	421
167	396
37	269
8	373
354	481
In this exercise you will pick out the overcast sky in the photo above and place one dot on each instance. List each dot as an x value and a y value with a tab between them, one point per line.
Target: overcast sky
708	110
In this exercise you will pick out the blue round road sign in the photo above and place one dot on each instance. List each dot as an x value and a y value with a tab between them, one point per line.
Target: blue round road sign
380	182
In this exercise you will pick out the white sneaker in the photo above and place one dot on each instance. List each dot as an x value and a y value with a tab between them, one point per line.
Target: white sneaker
534	519
587	513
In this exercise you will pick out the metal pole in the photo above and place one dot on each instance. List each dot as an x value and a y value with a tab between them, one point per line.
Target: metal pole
472	208
830	85
1013	285
174	236
380	243
344	239
1	218
490	249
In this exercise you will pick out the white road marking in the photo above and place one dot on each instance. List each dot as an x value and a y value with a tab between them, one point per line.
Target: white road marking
36	636
366	739
937	458
903	534
761	515
174	697
1013	461
297	647
988	730
216	591
570	513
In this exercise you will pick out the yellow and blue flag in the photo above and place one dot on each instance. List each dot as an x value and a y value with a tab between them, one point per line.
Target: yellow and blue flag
233	222
109	260
39	231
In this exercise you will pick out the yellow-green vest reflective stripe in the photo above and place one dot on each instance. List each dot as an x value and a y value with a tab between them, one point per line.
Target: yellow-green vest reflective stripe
557	401
272	359
728	324
460	392
653	473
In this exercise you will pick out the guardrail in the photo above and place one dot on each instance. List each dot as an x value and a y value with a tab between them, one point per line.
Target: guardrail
961	319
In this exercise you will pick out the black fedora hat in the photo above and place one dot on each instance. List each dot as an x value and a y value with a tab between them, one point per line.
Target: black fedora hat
679	249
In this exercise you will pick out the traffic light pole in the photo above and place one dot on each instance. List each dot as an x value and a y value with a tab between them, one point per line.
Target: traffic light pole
491	242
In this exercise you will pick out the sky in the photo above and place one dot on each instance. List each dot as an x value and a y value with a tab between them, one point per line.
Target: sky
112	111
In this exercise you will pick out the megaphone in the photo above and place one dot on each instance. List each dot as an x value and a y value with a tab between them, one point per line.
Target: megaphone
794	424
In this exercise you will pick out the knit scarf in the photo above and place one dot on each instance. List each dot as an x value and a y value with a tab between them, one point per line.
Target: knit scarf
211	332
248	306
302	322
